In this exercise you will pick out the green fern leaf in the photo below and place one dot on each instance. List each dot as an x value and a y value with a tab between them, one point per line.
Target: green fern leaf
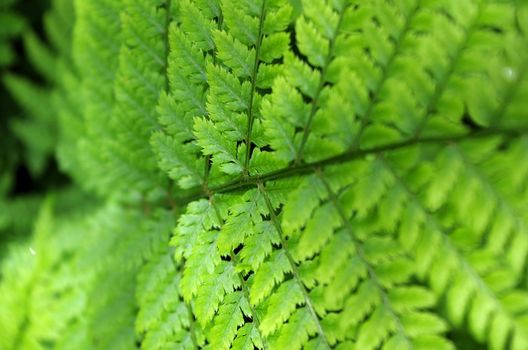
272	174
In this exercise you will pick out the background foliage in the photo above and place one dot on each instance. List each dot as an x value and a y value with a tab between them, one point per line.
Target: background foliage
270	174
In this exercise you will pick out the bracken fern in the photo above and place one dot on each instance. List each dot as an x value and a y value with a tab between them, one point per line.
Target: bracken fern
280	174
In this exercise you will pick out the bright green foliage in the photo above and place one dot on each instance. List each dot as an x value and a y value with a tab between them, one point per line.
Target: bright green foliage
280	174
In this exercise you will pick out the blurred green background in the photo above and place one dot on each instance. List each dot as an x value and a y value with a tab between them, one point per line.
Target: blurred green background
28	169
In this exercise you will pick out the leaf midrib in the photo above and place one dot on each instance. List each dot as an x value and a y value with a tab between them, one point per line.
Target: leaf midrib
251	112
350	155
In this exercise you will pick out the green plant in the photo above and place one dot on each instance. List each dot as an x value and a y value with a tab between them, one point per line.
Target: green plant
12	25
279	174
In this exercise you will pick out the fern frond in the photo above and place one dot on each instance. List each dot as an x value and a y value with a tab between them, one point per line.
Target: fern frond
320	52
476	268
188	42
230	317
95	55
347	175
195	241
140	78
379	261
219	279
110	317
164	320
